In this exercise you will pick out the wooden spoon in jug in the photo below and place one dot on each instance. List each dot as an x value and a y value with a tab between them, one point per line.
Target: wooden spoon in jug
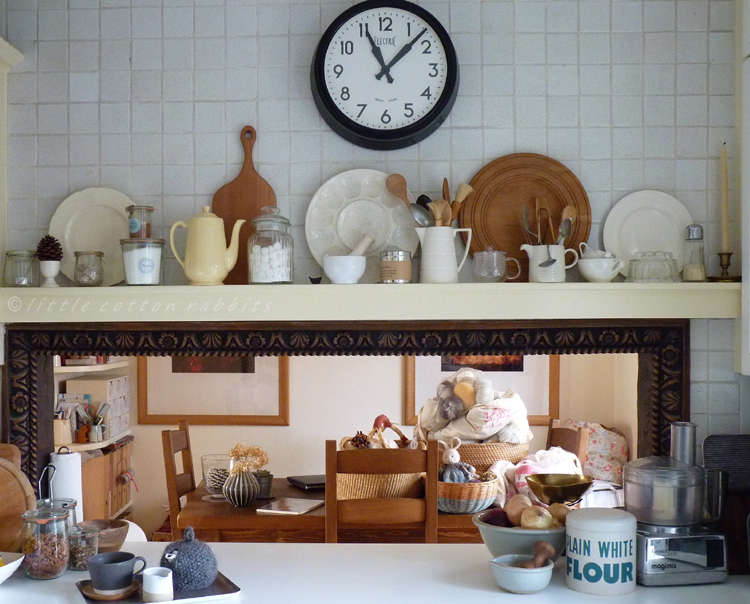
396	184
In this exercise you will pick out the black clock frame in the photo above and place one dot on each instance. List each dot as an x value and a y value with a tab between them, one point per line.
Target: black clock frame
371	138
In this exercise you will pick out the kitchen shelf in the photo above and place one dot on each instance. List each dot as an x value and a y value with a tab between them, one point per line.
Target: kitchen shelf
372	302
100	445
91	368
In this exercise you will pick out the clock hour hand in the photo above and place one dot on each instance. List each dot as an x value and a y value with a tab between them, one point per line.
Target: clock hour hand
400	55
378	54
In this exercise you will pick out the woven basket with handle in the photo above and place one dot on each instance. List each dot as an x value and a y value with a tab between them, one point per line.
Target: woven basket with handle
483	455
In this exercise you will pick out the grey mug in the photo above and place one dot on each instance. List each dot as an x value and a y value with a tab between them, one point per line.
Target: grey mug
112	572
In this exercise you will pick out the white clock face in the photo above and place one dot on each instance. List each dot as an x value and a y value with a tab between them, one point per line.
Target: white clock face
385	68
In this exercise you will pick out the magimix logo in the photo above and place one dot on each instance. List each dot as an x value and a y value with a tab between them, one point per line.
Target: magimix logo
663	566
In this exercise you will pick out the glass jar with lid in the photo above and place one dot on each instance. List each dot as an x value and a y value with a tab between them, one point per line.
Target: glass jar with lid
83	543
694	264
89	269
64	503
45	542
21	269
139	221
270	249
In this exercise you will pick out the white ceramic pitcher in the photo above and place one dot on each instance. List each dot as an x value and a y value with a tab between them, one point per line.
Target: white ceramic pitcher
439	263
552	273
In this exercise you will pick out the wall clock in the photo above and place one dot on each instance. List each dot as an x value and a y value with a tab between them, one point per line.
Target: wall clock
385	74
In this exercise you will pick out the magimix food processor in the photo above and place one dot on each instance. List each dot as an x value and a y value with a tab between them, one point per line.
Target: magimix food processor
676	539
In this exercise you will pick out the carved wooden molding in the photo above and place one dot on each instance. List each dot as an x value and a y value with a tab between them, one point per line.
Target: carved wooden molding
663	348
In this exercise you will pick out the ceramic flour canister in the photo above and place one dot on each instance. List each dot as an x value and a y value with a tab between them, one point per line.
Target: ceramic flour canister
600	550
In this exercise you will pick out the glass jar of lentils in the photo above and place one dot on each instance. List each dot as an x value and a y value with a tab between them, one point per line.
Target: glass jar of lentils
84	543
45	542
89	270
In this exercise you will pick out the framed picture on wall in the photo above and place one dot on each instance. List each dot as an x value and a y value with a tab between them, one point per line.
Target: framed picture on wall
207	390
535	378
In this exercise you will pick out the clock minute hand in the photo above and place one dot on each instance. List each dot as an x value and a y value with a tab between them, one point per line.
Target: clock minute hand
378	54
400	54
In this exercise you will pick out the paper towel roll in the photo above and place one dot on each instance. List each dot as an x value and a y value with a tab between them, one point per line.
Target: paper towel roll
68	481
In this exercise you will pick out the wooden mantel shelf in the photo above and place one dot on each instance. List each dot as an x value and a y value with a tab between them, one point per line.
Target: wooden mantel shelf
372	302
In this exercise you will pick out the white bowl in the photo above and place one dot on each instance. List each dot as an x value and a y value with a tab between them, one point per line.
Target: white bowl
502	540
599	270
344	269
12	562
519	580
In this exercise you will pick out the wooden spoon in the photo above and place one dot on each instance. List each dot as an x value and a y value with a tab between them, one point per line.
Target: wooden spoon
396	184
446	191
463	192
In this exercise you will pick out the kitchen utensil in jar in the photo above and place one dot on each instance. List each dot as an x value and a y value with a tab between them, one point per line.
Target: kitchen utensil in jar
491	266
208	260
396	184
549	261
242	199
422	216
439	263
565	228
464	190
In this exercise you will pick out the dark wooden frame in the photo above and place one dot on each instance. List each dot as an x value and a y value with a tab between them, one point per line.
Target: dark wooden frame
662	345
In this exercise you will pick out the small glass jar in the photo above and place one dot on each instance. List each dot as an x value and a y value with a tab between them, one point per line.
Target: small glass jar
83	543
21	269
89	270
270	249
693	259
45	542
395	266
62	503
139	221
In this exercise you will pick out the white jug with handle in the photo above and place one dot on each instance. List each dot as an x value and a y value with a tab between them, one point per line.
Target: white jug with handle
439	263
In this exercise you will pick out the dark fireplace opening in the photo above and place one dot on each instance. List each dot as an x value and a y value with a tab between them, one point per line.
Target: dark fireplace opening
662	347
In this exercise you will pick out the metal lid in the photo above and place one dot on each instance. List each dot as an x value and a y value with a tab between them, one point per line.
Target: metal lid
601	520
142	241
270	219
401	255
143	208
45	515
662	472
88	254
694	231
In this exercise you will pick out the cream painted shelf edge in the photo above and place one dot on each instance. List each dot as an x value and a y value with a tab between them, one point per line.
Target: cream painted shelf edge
372	302
91	368
100	445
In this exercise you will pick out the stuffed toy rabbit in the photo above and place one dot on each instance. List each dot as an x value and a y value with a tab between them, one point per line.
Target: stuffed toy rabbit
453	469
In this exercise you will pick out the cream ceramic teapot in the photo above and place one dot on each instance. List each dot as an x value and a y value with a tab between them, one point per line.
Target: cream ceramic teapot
208	260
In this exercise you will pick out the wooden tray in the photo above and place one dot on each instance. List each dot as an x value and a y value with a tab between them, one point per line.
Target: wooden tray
503	187
17	497
220	590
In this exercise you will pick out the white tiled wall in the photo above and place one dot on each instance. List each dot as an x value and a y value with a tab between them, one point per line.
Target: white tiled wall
149	96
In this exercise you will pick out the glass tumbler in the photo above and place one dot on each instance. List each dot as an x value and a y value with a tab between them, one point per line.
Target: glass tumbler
21	269
491	266
215	472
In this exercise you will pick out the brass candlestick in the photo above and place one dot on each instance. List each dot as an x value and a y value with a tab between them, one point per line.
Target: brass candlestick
725	260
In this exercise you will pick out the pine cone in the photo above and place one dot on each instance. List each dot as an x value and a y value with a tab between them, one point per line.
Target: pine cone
49	248
360	440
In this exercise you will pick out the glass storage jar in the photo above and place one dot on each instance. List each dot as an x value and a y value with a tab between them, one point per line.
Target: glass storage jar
83	543
694	265
21	269
63	503
89	270
270	249
139	221
45	542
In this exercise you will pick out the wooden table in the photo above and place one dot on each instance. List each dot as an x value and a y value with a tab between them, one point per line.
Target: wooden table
221	521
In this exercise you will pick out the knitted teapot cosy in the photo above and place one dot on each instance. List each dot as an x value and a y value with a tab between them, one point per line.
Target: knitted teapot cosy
193	563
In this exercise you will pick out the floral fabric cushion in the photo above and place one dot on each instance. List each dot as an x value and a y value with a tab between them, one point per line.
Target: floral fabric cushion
607	452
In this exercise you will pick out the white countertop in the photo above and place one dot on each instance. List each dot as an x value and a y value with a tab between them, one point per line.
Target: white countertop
370	573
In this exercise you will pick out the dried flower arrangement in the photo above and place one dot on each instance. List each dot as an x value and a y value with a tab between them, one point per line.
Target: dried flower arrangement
247	458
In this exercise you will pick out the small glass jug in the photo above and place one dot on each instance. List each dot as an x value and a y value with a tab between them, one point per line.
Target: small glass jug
45	542
491	266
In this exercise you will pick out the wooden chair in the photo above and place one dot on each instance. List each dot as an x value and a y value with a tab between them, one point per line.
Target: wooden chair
386	512
575	440
174	442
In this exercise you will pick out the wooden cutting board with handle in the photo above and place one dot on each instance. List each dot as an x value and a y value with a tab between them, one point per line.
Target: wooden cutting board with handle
242	199
16	496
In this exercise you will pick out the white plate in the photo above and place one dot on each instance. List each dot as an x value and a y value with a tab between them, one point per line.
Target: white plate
646	221
93	220
354	204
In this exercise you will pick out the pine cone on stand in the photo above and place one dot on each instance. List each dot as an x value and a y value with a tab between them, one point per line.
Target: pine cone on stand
49	248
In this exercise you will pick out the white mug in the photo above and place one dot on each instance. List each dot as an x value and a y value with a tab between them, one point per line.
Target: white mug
157	584
555	272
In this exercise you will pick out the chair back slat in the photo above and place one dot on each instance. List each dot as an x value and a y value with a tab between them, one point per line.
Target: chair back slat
178	484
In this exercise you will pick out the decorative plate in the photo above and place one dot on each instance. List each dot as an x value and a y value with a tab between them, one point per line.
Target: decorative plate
646	221
494	210
93	220
351	205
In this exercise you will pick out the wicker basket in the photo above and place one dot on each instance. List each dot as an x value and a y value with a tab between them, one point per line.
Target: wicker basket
483	455
366	486
466	497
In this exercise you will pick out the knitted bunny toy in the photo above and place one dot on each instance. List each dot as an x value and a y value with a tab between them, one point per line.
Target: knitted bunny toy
453	469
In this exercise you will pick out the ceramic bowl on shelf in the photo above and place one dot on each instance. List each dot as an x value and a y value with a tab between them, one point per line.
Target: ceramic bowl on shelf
502	540
344	269
599	270
518	580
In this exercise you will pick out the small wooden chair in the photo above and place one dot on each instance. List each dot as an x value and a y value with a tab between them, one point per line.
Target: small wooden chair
575	440
174	442
385	512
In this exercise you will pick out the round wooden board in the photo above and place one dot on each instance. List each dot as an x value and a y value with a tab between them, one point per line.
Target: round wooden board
494	210
17	497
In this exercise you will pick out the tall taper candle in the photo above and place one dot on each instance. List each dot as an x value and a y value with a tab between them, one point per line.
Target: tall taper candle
724	207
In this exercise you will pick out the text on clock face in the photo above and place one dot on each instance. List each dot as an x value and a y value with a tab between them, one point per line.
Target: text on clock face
385	69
